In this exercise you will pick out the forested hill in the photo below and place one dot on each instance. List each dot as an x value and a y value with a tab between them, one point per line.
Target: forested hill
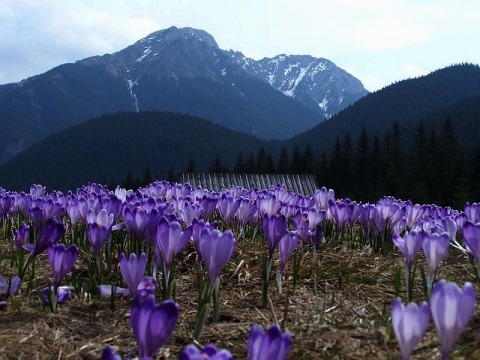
109	147
405	102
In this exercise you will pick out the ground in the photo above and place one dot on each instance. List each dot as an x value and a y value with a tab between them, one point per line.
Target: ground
340	309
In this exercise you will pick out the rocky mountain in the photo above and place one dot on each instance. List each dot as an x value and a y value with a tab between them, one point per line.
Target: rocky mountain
181	70
317	83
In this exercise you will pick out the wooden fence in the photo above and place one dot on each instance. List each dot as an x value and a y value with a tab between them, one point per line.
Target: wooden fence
300	184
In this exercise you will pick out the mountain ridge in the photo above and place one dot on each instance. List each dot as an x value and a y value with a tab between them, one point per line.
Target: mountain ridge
185	66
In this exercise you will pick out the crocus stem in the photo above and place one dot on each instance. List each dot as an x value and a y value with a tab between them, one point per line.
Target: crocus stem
52	297
98	263
266	275
202	315
203	306
407	279
216	302
279	281
24	266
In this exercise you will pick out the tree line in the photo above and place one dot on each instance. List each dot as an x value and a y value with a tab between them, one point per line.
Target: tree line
433	169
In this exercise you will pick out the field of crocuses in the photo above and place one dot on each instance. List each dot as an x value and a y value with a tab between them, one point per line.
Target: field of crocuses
169	271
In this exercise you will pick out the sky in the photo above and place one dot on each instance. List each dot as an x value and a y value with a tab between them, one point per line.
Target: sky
377	41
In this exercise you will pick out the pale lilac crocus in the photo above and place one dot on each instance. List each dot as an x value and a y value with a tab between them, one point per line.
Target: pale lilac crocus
171	239
274	227
322	197
7	289
286	246
135	221
99	228
268	205
451	309
246	211
209	352
409	245
152	324
471	239
341	211
21	238
227	207
133	271
50	233
409	325
61	296
435	247
271	344
216	248
62	259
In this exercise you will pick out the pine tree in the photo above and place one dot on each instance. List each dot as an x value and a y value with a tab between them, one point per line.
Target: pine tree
239	167
129	182
217	167
283	164
147	177
362	165
296	161
190	167
308	161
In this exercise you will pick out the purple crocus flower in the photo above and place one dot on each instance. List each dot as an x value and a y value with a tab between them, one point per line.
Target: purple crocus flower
271	344
7	290
72	210
208	204
246	211
63	295
152	324
341	212
216	249
38	191
52	209
170	241
435	247
409	245
322	198
133	270
472	211
413	213
99	228
21	238
135	221
50	233
6	203
471	239
209	352
188	210
227	207
286	246
409	324
109	354
61	260
274	227
145	287
451	309
268	205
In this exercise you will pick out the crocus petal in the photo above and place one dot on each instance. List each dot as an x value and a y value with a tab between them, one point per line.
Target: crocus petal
452	309
409	325
152	324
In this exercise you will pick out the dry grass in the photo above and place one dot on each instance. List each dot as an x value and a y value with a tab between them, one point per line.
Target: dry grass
340	310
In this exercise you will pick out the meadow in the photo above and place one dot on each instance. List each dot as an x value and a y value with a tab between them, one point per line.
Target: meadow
76	268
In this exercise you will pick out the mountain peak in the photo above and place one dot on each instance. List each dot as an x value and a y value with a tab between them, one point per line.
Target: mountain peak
173	33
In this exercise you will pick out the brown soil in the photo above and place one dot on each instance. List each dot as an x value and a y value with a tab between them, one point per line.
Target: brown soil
340	310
